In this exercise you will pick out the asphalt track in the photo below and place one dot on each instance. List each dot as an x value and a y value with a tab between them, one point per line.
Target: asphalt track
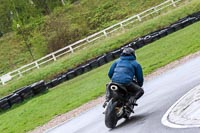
161	92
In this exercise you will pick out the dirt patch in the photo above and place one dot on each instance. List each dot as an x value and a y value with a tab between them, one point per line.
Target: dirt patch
71	114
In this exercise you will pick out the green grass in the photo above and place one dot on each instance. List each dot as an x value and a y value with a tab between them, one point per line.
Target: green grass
100	47
86	87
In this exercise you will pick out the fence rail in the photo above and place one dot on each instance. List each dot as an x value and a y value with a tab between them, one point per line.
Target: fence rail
71	48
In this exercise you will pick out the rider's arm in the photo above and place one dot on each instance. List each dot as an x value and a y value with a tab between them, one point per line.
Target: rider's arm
139	75
111	71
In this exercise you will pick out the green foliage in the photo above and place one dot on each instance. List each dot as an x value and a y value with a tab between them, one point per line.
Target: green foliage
62	36
5	16
83	18
13	12
24	11
38	44
9	53
46	6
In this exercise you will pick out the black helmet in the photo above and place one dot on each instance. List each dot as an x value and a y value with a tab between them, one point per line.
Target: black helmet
128	51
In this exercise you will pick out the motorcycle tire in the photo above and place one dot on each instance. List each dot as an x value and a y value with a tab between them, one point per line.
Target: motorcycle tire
111	115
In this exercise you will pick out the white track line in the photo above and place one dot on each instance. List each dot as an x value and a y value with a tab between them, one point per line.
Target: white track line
165	119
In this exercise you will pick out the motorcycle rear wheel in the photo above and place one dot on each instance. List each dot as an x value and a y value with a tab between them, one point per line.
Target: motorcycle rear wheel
111	115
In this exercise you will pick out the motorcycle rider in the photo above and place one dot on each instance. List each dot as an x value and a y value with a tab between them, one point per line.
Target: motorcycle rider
128	72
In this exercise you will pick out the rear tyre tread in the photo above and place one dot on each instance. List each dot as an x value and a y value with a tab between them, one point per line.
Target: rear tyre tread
111	116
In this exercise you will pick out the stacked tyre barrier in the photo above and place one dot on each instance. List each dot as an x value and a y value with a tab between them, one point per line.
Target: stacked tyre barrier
22	94
40	87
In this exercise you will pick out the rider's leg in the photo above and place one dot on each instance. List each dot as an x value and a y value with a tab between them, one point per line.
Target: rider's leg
136	90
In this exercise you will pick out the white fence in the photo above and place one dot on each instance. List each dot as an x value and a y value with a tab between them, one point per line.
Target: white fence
71	48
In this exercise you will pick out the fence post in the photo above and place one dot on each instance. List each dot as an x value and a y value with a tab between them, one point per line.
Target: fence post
174	4
20	74
54	58
121	25
2	82
155	10
71	49
86	40
139	18
105	34
37	65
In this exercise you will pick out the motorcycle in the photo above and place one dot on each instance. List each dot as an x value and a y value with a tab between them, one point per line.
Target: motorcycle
119	105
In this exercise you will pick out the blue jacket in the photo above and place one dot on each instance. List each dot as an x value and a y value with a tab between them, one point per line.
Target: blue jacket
125	69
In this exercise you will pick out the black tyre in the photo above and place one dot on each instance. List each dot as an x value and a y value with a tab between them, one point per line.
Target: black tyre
111	115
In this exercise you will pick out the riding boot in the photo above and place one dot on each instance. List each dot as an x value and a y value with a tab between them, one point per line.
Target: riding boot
132	101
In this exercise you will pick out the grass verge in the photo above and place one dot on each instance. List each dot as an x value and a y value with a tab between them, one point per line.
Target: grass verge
100	47
88	86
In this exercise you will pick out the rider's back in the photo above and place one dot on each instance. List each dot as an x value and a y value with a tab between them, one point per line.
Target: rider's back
124	70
